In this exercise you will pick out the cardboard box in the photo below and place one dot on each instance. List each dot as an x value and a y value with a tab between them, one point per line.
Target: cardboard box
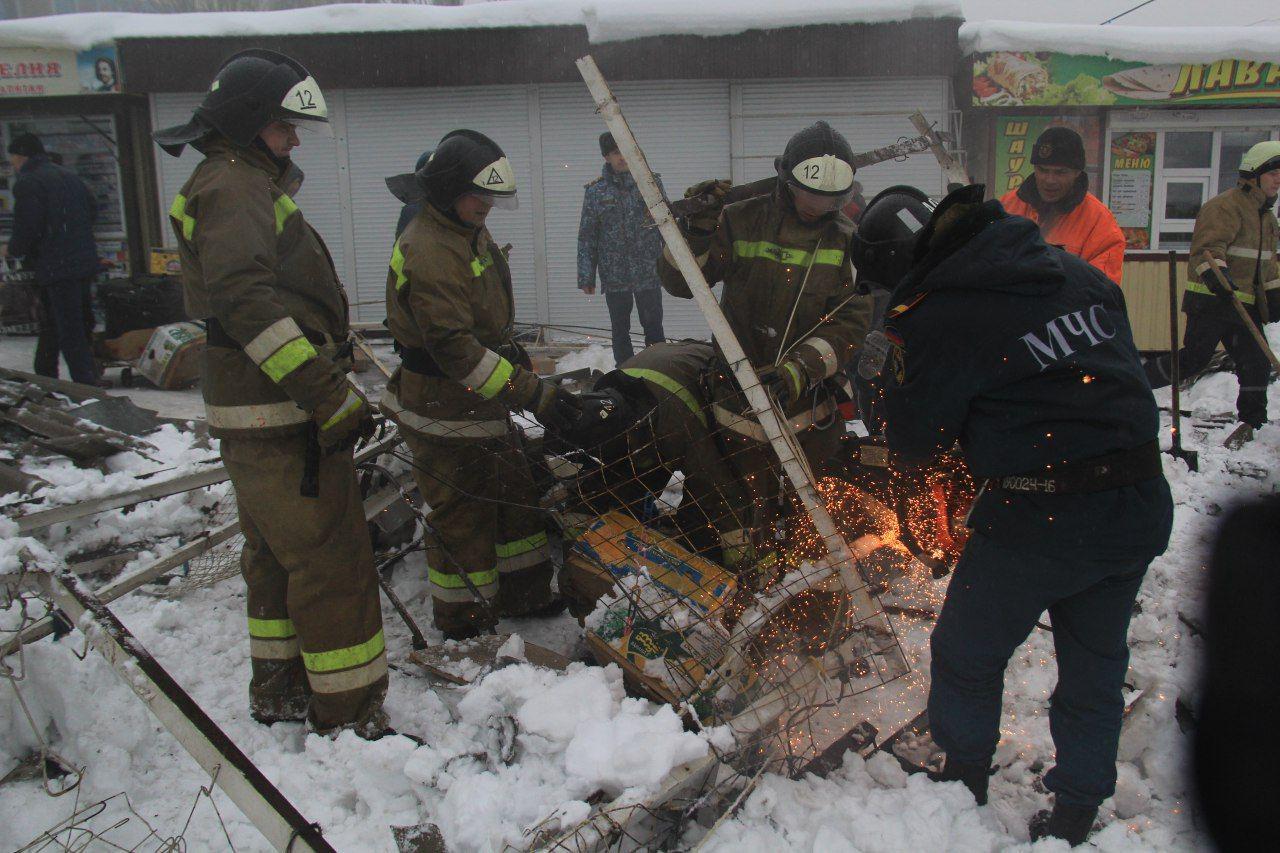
165	262
172	358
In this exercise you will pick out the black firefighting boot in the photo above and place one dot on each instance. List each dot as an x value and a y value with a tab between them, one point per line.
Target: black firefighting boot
974	776
1070	823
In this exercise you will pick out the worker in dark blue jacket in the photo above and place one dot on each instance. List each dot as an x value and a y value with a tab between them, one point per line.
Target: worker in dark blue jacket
53	215
1023	354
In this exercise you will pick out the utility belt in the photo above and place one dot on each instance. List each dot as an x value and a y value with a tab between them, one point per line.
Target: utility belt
419	360
1099	474
341	354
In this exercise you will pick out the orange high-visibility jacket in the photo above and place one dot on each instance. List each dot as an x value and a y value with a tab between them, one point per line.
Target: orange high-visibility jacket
1089	231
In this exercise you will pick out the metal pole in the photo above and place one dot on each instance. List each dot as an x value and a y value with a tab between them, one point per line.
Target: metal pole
781	439
280	823
1175	370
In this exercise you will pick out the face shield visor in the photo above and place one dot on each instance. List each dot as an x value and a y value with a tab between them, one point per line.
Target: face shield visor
821	185
496	184
304	107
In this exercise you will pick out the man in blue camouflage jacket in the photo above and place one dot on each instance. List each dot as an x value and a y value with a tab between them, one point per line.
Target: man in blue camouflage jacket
618	240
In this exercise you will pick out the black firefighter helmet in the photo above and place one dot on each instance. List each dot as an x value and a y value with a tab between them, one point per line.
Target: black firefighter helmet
466	162
252	89
881	250
817	165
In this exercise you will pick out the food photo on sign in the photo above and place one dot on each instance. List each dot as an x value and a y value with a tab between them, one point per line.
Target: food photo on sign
1029	78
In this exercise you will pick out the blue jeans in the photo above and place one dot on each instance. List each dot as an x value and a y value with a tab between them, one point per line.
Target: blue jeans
994	600
649	304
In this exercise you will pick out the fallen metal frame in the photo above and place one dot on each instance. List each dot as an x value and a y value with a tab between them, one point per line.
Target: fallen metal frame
283	826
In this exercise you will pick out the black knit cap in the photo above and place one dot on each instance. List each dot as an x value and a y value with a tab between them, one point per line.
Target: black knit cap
1059	146
26	145
607	144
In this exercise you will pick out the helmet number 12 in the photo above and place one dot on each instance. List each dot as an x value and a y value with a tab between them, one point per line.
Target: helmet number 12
812	172
306	99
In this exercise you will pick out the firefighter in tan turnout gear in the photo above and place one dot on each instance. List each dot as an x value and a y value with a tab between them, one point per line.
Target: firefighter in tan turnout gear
277	395
1239	229
789	296
451	310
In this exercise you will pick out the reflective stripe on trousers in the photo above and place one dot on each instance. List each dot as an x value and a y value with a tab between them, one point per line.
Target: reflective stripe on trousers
453	589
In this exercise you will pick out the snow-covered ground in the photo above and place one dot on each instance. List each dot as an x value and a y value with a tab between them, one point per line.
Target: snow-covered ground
577	733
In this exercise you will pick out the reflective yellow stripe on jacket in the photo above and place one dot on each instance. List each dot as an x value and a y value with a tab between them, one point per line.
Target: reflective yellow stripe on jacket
489	375
397	266
178	213
665	382
785	255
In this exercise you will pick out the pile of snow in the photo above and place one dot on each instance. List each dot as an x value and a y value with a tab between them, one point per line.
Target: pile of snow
1134	44
578	738
605	20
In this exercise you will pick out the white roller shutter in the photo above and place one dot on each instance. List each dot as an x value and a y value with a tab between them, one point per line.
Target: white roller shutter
317	156
869	112
388	129
683	128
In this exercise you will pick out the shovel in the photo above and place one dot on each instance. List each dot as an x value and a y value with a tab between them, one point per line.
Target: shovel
1191	457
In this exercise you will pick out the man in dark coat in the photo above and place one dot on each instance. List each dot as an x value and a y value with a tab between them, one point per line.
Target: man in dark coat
618	240
53	215
1022	353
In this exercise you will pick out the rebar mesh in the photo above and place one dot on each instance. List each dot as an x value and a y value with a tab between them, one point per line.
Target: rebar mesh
220	562
698	571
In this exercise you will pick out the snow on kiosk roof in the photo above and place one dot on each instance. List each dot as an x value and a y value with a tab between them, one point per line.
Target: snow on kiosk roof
1134	44
605	20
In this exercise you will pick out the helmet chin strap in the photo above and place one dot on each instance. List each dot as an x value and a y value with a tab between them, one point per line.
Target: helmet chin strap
281	163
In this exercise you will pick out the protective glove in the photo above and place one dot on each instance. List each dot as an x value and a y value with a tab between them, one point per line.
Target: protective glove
786	382
343	417
555	408
875	349
713	191
1215	286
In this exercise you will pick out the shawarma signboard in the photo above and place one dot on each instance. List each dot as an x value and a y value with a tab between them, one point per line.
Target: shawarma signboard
1031	79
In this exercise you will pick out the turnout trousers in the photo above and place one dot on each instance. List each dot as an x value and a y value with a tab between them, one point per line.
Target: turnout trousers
995	598
315	623
1205	330
484	523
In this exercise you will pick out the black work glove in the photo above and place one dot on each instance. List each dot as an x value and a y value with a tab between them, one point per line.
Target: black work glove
786	382
705	220
556	409
343	418
1211	281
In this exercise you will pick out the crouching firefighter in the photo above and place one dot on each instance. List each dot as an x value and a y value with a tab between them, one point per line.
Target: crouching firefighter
450	309
788	296
650	418
277	395
1023	353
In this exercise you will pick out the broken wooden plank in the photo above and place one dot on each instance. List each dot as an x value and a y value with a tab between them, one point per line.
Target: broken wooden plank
463	662
206	541
154	491
14	479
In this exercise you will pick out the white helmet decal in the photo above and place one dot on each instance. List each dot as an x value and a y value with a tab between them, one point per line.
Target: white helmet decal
306	101
826	174
497	177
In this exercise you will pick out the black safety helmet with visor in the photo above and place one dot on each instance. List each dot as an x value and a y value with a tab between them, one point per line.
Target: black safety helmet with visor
882	248
251	90
466	162
817	167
